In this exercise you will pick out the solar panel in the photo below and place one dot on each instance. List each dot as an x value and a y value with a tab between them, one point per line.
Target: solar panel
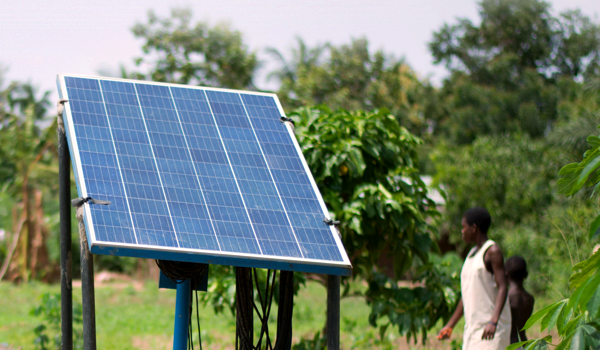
195	174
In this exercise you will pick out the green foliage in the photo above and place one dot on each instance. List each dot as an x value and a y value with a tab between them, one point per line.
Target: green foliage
25	149
504	71
577	319
575	175
49	311
352	77
511	176
115	263
415	309
551	242
572	135
364	164
176	52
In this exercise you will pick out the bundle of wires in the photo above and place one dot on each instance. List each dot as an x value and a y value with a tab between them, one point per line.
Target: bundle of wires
246	303
178	272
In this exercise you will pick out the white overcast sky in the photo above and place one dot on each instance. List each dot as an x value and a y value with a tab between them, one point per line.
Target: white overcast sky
39	39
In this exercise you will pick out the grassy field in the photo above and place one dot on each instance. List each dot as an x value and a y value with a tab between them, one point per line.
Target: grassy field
133	315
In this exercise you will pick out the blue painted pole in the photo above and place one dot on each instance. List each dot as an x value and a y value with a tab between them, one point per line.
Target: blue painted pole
182	315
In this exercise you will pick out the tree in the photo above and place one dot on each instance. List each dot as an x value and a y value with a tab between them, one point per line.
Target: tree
364	164
27	154
351	77
504	72
178	53
303	58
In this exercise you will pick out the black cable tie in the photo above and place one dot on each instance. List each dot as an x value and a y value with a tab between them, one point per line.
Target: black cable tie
286	119
330	222
79	201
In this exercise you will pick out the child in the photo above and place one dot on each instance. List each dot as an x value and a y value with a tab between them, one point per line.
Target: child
521	302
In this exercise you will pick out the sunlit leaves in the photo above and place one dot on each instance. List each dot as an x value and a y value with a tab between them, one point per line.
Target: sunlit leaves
575	175
365	166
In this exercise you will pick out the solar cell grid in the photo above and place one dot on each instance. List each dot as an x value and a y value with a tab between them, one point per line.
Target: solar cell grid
195	170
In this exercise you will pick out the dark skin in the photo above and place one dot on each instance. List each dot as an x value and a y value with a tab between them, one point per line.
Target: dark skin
521	308
494	263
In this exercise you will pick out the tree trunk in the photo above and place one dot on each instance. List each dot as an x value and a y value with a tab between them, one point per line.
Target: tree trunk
26	236
36	232
40	261
17	227
30	258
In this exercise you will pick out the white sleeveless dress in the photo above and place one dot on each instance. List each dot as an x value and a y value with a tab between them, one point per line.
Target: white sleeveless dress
479	291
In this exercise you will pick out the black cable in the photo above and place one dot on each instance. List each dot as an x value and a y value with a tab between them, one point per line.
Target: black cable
243	301
285	311
178	271
266	308
190	328
198	320
246	304
190	338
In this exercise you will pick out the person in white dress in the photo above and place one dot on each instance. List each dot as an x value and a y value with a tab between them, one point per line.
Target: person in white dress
484	289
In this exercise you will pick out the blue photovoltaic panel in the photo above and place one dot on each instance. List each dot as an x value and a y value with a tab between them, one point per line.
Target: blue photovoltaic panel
195	174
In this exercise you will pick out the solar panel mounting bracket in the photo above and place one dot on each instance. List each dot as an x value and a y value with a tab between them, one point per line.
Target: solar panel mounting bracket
75	202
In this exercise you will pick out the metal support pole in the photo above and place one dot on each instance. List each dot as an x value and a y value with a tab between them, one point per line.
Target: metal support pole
333	312
182	315
66	258
87	296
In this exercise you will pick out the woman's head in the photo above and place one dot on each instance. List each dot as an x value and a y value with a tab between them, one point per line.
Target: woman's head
475	221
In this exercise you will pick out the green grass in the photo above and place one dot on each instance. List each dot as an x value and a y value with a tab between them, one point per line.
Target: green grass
139	316
130	316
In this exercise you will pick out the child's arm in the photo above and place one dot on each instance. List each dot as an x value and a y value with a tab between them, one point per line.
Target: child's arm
446	332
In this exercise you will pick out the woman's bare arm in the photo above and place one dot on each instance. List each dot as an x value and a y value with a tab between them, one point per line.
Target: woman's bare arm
495	258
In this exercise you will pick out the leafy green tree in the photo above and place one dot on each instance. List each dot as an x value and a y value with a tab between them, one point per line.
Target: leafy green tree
364	164
177	52
27	154
505	71
351	77
22	100
303	59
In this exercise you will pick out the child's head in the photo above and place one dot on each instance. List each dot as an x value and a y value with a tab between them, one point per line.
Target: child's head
516	268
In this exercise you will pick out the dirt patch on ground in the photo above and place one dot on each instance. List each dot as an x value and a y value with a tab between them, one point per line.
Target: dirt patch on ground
163	342
4	346
152	342
114	280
